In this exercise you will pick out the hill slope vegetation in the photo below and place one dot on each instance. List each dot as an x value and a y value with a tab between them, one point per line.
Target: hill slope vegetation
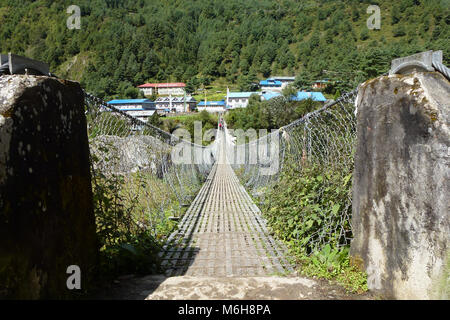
122	44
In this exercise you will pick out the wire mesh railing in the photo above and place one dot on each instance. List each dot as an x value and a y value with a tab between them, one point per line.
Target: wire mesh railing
137	171
317	152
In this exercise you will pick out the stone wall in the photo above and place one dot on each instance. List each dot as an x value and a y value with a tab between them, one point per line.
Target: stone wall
46	212
401	217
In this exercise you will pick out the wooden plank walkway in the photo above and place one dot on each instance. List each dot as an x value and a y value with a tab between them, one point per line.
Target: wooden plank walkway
223	232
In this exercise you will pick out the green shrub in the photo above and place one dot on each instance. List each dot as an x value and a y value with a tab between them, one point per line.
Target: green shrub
306	207
131	223
309	208
333	264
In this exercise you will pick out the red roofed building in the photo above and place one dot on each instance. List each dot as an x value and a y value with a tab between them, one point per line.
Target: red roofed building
163	89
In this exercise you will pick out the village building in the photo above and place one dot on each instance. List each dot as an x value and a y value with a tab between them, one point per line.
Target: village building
239	99
267	95
138	108
321	84
163	89
175	104
301	95
270	85
285	81
276	83
212	106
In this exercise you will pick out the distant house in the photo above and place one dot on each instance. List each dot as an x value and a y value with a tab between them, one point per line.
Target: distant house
175	104
267	95
301	95
285	81
277	83
239	99
212	106
139	108
270	85
315	96
163	89
321	84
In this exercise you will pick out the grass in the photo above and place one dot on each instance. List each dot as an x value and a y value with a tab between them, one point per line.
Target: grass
180	118
74	67
210	97
338	269
146	193
212	94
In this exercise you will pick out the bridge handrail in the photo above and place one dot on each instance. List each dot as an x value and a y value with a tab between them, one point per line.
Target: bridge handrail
168	137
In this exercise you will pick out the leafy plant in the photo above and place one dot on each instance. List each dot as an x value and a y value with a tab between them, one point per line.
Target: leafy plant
131	224
333	264
306	207
309	208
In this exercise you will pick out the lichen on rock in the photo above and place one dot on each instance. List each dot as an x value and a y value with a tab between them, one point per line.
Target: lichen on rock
401	182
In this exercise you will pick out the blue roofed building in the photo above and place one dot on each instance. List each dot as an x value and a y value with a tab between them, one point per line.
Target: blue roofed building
276	83
239	99
301	95
267	95
315	96
138	108
271	85
212	106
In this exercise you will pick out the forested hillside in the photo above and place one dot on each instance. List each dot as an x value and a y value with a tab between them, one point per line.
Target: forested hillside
122	44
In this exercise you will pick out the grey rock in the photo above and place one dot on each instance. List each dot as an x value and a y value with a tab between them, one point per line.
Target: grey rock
401	219
122	155
46	212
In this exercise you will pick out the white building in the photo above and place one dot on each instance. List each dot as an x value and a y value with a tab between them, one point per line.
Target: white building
212	106
175	104
285	81
239	99
270	85
163	89
138	108
276	83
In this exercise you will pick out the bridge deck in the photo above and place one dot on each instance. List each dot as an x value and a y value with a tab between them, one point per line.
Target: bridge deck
223	233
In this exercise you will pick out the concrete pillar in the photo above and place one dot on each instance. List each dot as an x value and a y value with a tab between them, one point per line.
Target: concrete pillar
46	212
401	217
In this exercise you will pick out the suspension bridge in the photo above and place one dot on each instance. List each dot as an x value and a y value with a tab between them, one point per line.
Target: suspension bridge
223	232
142	174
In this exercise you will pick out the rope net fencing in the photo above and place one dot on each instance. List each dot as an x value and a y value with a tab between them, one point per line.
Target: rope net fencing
142	176
312	155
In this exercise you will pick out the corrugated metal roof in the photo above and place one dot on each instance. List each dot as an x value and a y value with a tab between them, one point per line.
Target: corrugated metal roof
212	103
241	94
124	109
316	96
269	95
176	99
281	78
163	85
301	95
130	101
269	82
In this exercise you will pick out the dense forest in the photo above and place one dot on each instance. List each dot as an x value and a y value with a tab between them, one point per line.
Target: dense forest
122	44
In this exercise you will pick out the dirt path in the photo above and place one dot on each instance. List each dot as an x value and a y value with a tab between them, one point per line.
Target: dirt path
159	287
